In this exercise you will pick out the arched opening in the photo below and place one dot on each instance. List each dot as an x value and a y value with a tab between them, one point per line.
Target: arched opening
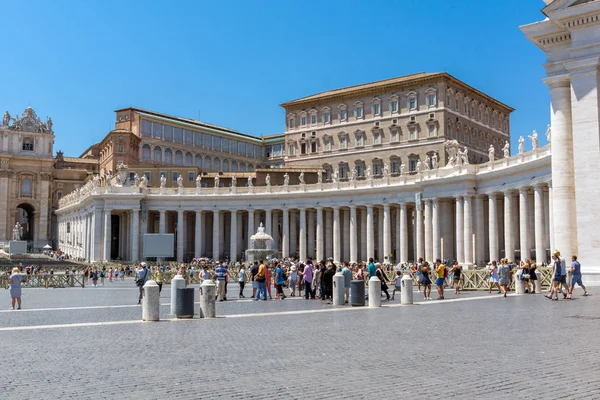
25	218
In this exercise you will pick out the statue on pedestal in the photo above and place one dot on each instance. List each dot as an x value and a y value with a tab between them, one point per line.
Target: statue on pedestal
143	182
418	167
180	181
506	149
108	178
368	173
534	140
268	180
250	181
464	156
96	181
301	177
434	161
426	163
217	179
6	118
17	231
233	181
386	170
402	168
319	177
199	181
549	134
286	179
136	179
521	145
491	152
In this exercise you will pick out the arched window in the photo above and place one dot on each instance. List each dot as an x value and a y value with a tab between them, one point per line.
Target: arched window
146	152
178	158
188	159
157	154
198	160
217	164
225	166
207	164
169	156
26	187
242	167
234	166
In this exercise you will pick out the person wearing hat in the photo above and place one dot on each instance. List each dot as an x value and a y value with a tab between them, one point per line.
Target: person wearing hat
142	278
293	280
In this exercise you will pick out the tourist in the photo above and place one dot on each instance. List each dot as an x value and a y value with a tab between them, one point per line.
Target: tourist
261	278
556	279
347	272
142	278
359	271
102	275
397	283
279	281
15	288
158	278
383	278
110	275
440	270
307	277
418	271
532	276
293	280
371	269
494	278
526	274
242	281
456	272
86	274
300	279
95	277
327	279
268	282
504	275
221	276
204	274
576	277
253	272
426	281
319	281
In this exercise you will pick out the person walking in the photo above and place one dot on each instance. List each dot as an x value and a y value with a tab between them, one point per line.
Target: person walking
440	271
142	278
504	274
158	277
242	281
261	278
293	280
116	274
221	275
307	277
15	287
253	273
494	278
102	275
347	272
397	283
383	278
279	281
576	277
556	279
268	282
456	272
327	278
426	281
95	277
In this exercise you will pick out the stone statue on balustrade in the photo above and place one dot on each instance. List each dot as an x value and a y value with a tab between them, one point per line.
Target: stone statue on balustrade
464	157
233	181
549	134
368	173
250	181
109	178
521	145
426	163
17	231
286	179
319	177
96	181
217	179
334	177
6	118
418	167
386	170
144	182
180	181
434	161
452	148
136	179
301	177
402	168
491	152
534	140
199	181
506	149
354	174
268	180
163	181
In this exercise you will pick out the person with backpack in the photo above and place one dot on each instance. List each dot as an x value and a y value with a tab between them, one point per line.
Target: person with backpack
441	274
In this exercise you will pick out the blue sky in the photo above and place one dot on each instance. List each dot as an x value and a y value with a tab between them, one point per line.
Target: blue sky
231	63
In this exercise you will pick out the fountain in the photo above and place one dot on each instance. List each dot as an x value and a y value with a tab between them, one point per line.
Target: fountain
261	245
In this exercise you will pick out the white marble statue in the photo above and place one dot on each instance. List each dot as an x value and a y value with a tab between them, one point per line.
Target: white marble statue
199	181
521	144
434	161
506	149
250	181
319	177
136	179
452	148
491	152
334	177
268	180
402	168
301	177
217	179
549	134
426	163
386	170
368	173
6	118
96	180
108	178
180	181
286	179
534	140
418	167
17	231
163	181
354	174
144	182
464	157
233	181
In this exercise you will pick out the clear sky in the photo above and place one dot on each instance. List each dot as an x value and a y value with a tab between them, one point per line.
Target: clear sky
231	63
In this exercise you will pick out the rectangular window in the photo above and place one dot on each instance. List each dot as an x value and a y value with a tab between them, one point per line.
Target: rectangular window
432	132
292	123
148	176
177	135
313	119
431	100
157	130
360	169
197	139
216	143
168	133
412	165
456	105
303	121
466	109
249	150
146	128
394	106
376	109
412	103
343	142
343	171
448	102
377	139
377	169
302	148
292	150
58	195
395	166
191	176
313	147
343	115
412	134
360	141
327	144
326	118
479	115
188	137
225	145
174	176
233	146
241	148
207	141
28	144
358	112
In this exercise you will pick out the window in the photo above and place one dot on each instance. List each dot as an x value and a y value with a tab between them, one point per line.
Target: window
326	117
302	148
291	149
292	123
395	165
207	141
343	170
313	146
343	114
431	100
376	137
432	130
207	163
177	135
198	160
188	160
157	154
412	103
28	144
394	106
479	115
303	120
448	101
146	128
327	143
146	152
58	195
169	156
343	141
157	130
178	157
188	137
313	119
234	166
412	165
216	143
26	187
456	105
217	164
377	168
395	135
376	109
360	168
197	139
487	117
174	176
225	165
466	108
412	133
358	112
148	175
168	133
360	139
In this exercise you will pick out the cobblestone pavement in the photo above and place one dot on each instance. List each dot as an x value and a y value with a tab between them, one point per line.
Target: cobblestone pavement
477	347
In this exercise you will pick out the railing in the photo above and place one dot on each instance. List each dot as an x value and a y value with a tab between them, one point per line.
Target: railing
46	281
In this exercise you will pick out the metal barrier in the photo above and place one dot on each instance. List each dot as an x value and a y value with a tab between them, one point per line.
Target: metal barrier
47	281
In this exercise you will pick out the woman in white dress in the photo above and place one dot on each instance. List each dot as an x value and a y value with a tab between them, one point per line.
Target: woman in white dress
494	278
15	287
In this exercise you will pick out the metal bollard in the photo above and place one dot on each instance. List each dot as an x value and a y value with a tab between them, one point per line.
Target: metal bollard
151	302
406	296
537	285
178	282
338	289
374	292
208	291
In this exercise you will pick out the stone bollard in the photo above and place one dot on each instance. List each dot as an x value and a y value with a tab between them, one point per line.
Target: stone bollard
374	292
151	302
519	284
406	295
178	282
338	289
537	284
208	291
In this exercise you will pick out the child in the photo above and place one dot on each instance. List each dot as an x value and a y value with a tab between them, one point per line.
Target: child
398	284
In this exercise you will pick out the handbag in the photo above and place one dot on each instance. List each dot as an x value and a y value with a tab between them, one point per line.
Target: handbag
525	276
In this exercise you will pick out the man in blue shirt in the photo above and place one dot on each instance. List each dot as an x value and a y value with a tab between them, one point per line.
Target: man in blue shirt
142	278
576	277
347	272
371	269
221	275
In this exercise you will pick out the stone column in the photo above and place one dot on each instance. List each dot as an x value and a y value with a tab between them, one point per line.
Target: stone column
199	236
336	235
379	234
468	228
435	227
302	235
97	244
275	227
285	234
479	231
233	249
428	233
293	233
551	219
509	247
311	234
403	234
547	229
563	169
320	241
419	231
345	234
222	233
397	231
268	222
387	231
328	233
86	238
162	222
135	234
180	231
523	222
353	235
493	227
107	234
540	250
370	236
363	235
44	214
216	251
460	233
251	231
4	222
240	232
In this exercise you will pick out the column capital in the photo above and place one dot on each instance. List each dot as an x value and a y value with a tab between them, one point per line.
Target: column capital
558	82
524	189
352	206
509	192
540	185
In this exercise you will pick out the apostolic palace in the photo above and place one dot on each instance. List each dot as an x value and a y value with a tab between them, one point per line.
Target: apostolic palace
408	167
